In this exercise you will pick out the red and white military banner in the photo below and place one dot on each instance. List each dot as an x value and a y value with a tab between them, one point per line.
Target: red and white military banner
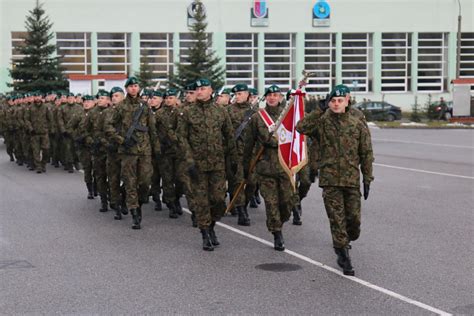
292	151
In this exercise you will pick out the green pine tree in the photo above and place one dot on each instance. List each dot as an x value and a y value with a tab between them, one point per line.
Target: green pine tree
38	70
145	76
202	61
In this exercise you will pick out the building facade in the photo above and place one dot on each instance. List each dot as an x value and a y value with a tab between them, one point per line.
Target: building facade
382	49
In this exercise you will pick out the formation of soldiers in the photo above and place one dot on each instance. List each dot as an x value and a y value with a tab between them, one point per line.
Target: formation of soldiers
133	145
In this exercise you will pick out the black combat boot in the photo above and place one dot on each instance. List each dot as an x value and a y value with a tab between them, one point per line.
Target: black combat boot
94	187
193	219
12	158
253	202
103	201
158	206
135	219
39	170
139	212
212	234
206	240
172	208
296	216
243	220
77	166
178	208
279	243
19	162
118	213
257	198
90	191
344	261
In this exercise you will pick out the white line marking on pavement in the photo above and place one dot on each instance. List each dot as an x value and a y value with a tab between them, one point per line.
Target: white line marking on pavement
425	171
420	143
331	269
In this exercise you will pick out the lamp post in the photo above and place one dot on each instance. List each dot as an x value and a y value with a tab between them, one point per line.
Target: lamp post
458	50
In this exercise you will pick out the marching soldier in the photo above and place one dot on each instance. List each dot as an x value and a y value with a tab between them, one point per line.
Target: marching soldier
223	99
275	185
113	159
18	125
38	120
9	128
132	127
155	103
66	112
238	113
96	139
344	145
205	134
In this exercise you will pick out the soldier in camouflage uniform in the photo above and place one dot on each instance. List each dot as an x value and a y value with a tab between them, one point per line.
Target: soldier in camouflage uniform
77	125
66	112
223	99
136	150
156	99
96	139
26	135
205	134
237	113
38	120
275	185
18	125
113	160
9	130
167	120
344	147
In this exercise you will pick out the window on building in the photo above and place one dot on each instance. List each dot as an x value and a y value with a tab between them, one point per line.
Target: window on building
320	57
466	68
18	41
279	61
432	62
74	50
396	62
185	42
357	61
242	59
113	53
156	50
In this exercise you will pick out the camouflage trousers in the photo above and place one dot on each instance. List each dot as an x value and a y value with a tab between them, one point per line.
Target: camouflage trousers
26	146
9	142
187	186
172	186
113	176
343	209
278	194
155	190
67	150
209	197
136	176
18	145
86	161
234	182
303	184
40	149
99	163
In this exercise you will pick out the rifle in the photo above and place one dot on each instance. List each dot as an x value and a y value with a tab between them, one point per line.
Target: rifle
273	129
130	138
247	117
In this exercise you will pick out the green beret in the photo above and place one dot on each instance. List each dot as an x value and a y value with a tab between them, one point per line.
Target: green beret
225	91
240	87
288	94
131	80
272	89
190	86
157	93
70	94
102	93
253	91
147	92
78	95
88	98
339	91
170	92
202	83
115	90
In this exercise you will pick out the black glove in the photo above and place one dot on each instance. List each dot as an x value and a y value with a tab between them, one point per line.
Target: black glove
65	134
366	190
313	174
234	167
193	172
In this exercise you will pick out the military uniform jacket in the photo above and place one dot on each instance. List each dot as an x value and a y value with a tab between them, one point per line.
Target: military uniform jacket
65	114
53	125
268	164
344	146
77	125
117	125
38	119
204	135
19	121
236	113
94	128
10	118
166	124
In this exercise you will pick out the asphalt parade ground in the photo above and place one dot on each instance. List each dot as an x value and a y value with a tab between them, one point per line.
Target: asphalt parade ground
415	256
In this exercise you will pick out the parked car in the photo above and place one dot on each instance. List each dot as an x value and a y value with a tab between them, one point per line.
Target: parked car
436	111
380	111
